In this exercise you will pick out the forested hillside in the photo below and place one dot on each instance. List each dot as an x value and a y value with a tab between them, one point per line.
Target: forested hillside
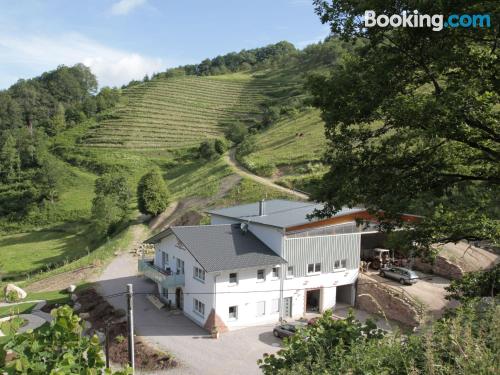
71	155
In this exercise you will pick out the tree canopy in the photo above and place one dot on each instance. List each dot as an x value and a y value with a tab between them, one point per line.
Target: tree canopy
152	193
110	206
412	119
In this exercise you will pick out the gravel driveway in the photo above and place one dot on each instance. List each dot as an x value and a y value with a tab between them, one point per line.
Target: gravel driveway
429	290
235	352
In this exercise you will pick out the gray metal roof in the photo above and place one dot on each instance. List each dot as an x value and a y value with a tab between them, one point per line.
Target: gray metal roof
222	247
278	213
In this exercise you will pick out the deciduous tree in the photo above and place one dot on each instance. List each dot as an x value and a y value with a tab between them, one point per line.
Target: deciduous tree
412	119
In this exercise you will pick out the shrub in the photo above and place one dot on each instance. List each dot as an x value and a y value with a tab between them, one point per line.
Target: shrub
11	296
207	150
266	170
236	132
247	147
10	327
475	284
110	206
60	348
220	146
152	193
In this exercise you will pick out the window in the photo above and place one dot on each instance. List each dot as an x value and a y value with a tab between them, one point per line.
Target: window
233	312
233	278
199	274
180	267
336	264
314	268
261	308
199	307
261	275
276	272
164	292
289	271
275	306
343	263
164	260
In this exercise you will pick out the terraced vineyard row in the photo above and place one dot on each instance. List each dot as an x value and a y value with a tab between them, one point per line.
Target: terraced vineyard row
180	112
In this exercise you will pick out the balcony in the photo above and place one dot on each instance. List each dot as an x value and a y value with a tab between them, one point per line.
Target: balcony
162	277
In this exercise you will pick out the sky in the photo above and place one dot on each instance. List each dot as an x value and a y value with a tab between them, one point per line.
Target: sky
121	40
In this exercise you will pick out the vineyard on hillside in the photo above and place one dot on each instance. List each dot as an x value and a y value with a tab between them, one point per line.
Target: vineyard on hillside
173	113
294	140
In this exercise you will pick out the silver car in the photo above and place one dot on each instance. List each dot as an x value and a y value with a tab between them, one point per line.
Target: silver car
403	275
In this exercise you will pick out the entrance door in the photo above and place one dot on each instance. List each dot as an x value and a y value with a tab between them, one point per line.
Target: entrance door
312	301
179	298
287	308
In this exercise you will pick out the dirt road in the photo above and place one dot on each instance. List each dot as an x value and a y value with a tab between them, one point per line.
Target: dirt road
230	159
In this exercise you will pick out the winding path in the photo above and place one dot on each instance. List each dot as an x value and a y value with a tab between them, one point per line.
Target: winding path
230	159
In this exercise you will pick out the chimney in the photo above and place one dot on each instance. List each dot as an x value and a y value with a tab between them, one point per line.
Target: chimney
262	208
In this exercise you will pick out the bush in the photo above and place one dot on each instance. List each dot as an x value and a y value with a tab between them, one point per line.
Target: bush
110	206
236	133
59	349
220	146
475	284
11	296
247	147
10	327
207	150
152	193
464	343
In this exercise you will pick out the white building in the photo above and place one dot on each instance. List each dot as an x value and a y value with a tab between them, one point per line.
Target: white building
258	263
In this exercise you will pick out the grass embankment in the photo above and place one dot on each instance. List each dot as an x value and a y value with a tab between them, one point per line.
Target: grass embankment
180	112
289	151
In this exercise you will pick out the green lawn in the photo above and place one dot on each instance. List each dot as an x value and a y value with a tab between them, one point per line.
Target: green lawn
247	191
23	308
27	252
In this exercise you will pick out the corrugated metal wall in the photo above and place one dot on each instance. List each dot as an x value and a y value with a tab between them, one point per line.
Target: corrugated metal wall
299	252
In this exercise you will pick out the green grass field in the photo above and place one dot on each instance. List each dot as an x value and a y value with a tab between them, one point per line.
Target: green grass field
174	113
35	250
295	140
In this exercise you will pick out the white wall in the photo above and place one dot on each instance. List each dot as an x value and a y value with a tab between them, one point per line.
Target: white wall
192	287
249	291
245	295
271	236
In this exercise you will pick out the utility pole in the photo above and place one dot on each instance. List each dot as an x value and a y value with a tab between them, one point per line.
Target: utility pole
130	323
106	344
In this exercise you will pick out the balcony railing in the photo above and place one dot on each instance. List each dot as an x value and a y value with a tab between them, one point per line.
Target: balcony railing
164	278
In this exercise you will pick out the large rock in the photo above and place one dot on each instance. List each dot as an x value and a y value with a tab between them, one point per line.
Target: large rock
11	288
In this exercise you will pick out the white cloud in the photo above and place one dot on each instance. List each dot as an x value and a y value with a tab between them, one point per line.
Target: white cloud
113	67
126	6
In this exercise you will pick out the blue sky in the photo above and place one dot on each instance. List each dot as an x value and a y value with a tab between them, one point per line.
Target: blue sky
124	39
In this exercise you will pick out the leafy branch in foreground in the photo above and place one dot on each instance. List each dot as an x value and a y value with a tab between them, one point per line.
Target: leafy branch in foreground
58	349
466	342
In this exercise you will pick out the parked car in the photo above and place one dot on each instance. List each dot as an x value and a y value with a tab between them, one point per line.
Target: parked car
285	330
403	275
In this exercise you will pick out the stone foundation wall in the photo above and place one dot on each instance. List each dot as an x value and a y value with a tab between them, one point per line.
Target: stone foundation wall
441	267
382	300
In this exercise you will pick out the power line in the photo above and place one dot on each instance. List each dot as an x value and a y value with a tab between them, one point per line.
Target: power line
267	290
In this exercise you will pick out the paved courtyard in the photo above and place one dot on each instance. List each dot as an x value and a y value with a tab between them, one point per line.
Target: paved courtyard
235	352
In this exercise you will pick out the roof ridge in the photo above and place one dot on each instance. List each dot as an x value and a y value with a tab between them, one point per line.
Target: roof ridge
199	225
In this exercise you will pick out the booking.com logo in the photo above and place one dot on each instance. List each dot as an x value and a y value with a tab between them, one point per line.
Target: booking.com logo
436	21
